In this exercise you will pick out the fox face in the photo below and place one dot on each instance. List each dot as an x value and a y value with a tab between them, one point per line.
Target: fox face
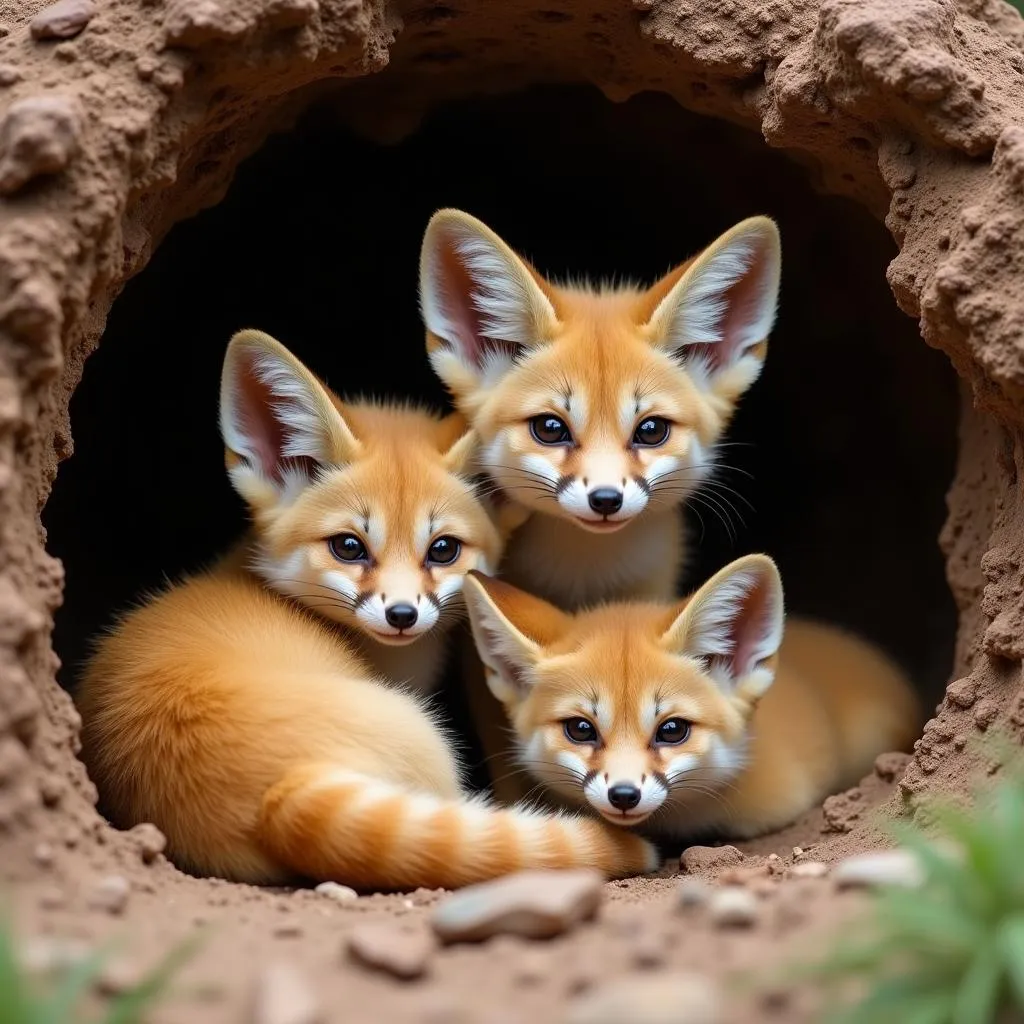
595	404
359	510
632	707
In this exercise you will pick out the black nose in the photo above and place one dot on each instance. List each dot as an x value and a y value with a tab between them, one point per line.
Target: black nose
401	616
624	796
605	500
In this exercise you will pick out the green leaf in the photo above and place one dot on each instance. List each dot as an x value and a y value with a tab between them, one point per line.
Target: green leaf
128	1008
74	983
1011	942
978	992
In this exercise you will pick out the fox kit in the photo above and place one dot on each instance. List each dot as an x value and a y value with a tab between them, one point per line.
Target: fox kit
598	409
246	711
692	718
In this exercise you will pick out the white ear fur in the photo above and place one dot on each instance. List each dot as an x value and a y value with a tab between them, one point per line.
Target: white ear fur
505	651
724	304
478	298
277	418
735	624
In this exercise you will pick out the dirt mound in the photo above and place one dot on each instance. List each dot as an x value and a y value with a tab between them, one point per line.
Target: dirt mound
119	120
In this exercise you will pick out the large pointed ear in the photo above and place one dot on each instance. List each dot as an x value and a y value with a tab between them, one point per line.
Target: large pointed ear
277	420
510	628
480	302
734	623
722	308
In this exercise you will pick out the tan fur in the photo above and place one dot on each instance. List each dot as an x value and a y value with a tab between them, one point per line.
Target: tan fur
602	360
268	741
799	722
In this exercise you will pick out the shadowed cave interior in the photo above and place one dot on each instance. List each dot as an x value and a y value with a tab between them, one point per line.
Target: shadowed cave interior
839	458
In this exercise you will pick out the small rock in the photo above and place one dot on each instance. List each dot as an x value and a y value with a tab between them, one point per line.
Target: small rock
111	894
118	976
709	859
148	840
962	693
692	892
809	869
336	892
402	954
43	855
882	867
890	766
284	996
44	955
669	998
38	135
9	75
797	852
62	20
733	907
533	904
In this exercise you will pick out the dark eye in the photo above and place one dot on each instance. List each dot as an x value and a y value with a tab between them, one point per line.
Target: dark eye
672	731
651	432
550	430
444	551
580	730
347	547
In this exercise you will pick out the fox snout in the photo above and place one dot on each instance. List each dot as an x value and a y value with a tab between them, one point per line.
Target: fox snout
603	505
623	800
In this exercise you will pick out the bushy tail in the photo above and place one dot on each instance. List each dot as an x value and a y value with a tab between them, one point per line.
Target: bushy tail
331	824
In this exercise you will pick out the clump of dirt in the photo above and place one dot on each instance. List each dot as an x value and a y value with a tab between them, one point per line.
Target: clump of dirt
117	121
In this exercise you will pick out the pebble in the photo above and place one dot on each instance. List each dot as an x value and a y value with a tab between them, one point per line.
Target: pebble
809	869
284	996
668	998
118	976
882	867
111	894
532	904
38	135
712	859
62	20
336	892
148	840
385	947
692	892
43	855
44	954
733	907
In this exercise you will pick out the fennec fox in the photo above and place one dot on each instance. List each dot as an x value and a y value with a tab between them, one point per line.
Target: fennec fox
248	710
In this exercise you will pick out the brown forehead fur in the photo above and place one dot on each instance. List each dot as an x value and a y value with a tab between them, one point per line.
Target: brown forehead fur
598	346
615	652
399	477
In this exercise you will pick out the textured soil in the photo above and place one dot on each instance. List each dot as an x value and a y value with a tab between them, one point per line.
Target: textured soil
118	121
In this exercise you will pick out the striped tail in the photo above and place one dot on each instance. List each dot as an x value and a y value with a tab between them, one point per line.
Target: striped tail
335	825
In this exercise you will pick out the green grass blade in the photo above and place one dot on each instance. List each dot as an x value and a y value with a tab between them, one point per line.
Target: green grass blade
978	992
1011	943
73	985
128	1008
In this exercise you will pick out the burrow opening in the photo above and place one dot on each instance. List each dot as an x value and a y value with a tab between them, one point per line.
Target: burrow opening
840	455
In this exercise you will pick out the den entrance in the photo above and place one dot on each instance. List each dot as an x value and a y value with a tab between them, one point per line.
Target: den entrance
837	464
